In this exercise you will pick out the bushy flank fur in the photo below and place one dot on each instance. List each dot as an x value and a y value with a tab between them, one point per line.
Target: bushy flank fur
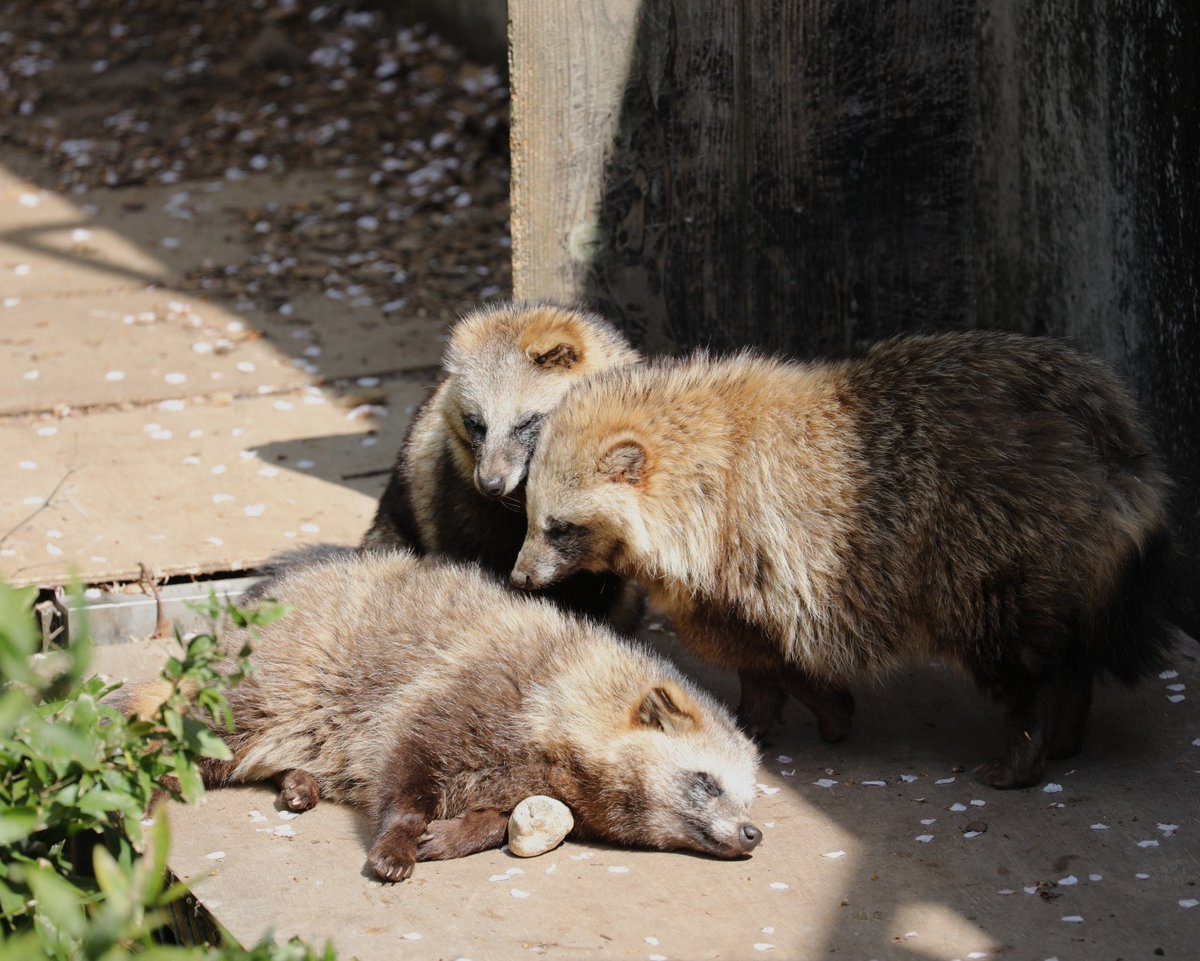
457	487
988	499
435	699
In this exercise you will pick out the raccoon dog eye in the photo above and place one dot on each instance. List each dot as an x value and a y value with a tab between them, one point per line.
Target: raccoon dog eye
560	531
705	782
528	429
476	429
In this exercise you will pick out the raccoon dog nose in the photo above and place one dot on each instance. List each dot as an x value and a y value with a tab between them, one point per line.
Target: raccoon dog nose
520	580
492	486
749	836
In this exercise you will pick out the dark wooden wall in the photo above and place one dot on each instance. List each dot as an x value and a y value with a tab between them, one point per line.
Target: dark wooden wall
810	175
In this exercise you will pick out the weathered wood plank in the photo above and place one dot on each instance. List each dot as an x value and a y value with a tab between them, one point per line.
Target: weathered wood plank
567	73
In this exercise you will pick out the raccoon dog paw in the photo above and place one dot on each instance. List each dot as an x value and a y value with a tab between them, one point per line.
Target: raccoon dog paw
1002	774
298	791
393	855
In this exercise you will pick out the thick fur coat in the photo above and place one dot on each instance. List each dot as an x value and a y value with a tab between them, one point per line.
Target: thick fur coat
435	699
457	487
988	499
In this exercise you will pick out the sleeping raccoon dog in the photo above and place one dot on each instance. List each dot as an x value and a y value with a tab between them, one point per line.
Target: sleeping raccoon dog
985	498
457	485
435	699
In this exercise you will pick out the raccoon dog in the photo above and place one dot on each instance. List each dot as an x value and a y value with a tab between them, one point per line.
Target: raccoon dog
985	498
436	699
457	485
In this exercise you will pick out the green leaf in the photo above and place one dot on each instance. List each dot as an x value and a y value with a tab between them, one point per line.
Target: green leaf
61	745
114	882
174	721
58	900
204	742
190	785
158	846
13	704
99	802
17	823
22	948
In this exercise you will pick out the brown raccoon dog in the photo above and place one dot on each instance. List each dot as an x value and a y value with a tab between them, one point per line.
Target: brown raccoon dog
984	498
435	699
457	485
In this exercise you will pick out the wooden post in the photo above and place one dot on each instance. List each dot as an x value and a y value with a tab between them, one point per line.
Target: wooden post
810	176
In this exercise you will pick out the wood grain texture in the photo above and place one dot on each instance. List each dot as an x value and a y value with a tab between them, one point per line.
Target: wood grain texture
808	176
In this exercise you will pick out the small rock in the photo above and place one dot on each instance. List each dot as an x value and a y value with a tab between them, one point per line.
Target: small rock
537	825
979	827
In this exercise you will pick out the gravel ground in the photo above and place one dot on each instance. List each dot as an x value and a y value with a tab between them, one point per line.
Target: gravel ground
110	94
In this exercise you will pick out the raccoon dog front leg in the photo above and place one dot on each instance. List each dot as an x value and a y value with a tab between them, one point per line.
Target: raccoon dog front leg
765	691
1028	702
403	811
479	830
393	853
761	701
831	703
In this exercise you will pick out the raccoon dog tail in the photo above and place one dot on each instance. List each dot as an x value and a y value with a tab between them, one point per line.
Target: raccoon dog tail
1130	633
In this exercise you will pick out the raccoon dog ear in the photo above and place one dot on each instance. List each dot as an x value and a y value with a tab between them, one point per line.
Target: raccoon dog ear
625	462
667	708
560	355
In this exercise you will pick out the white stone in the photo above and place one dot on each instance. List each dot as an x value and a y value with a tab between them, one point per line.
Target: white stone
537	825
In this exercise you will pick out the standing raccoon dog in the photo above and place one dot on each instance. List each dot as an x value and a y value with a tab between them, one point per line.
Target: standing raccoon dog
456	488
984	498
436	699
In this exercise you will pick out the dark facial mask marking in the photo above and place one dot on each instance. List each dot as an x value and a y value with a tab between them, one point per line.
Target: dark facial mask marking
569	540
526	433
476	429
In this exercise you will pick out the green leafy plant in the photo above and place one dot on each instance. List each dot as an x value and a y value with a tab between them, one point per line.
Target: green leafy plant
82	871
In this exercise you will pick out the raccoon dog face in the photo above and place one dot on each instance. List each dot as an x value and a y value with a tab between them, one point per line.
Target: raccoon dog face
510	366
684	779
583	515
496	431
